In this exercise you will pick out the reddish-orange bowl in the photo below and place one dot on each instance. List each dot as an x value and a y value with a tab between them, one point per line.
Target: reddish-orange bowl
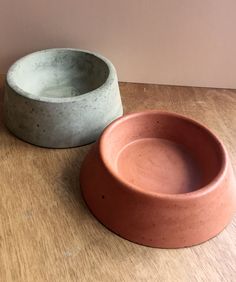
159	179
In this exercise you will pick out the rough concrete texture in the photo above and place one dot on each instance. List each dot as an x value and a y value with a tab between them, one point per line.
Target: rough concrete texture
61	97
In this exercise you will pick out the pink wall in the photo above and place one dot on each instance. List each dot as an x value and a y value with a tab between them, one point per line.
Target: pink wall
182	42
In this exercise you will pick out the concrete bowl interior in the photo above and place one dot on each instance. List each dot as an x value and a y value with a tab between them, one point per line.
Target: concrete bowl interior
57	74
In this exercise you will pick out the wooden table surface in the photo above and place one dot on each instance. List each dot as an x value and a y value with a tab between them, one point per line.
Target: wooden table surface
48	234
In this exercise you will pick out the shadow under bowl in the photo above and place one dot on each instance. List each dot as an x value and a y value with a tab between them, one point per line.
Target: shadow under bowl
61	97
159	179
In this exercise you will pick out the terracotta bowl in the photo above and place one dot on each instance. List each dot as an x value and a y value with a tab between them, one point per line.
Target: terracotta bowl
159	179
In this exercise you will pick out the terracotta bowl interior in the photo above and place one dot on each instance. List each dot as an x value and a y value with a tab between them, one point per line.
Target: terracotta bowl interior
58	73
162	153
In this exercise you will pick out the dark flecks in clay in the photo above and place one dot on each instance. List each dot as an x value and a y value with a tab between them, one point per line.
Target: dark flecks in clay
184	216
37	125
103	197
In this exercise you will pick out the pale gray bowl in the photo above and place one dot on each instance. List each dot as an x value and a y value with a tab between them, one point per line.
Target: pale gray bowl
61	98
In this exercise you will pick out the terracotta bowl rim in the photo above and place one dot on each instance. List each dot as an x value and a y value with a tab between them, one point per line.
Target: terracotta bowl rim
212	185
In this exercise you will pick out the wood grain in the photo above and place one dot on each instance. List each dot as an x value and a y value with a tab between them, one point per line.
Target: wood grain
48	234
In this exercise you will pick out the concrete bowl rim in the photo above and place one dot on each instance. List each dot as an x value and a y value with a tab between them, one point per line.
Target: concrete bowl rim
13	85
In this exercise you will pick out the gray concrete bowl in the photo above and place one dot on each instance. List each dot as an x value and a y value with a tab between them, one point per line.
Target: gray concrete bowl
61	97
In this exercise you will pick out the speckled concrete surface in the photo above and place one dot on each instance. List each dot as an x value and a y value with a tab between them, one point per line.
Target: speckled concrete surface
61	97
